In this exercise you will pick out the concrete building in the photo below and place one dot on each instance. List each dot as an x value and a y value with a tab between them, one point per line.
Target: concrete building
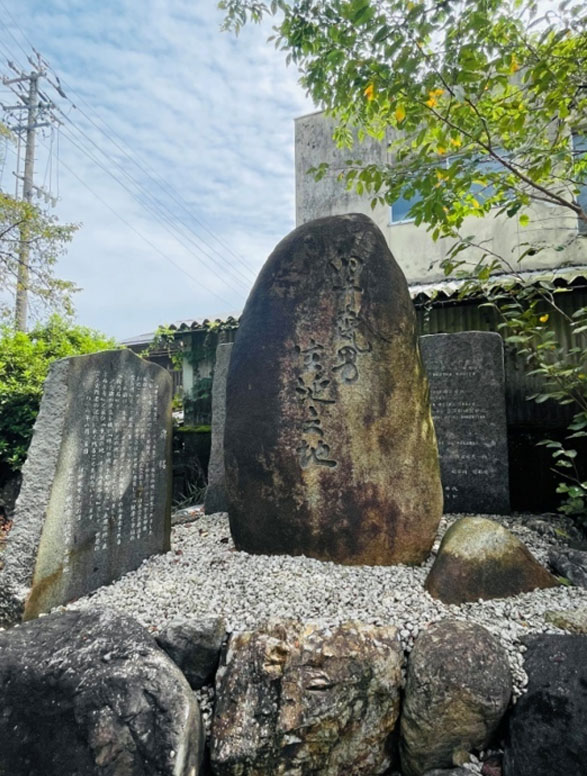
417	253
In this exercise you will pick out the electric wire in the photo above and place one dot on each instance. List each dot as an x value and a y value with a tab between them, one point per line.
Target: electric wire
170	217
146	169
149	208
143	166
7	28
141	202
167	258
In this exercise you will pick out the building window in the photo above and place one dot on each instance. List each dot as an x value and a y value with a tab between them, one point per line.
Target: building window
398	212
486	164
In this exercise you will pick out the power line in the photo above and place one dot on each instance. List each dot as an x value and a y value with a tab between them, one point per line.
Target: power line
153	176
38	112
144	238
150	209
143	196
152	245
143	166
7	28
167	214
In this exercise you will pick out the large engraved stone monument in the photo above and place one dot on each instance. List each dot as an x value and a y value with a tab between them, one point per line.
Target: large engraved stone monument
329	445
467	391
95	498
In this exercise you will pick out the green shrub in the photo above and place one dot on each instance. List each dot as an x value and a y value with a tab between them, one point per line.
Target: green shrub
24	363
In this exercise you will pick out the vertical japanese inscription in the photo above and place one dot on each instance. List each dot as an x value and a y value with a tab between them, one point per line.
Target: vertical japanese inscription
112	488
323	369
467	396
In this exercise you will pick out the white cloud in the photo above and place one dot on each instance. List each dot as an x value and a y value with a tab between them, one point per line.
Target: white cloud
210	116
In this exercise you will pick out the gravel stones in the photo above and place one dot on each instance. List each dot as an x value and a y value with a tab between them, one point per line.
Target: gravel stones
458	688
194	646
479	558
547	732
330	450
90	693
203	576
303	699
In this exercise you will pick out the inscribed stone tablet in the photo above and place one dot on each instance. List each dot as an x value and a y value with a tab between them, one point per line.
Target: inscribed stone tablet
216	491
329	444
466	373
95	498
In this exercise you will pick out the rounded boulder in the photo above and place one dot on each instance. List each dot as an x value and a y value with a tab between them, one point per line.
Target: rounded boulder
90	693
458	688
479	558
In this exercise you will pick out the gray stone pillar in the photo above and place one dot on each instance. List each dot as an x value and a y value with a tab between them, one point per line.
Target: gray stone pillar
216	494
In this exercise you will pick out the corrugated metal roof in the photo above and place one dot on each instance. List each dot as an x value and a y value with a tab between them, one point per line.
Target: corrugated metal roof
138	339
418	291
451	286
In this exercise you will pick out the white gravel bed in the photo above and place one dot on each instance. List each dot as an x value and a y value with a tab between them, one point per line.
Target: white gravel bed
205	576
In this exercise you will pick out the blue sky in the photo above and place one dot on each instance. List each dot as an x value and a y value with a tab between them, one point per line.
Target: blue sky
198	127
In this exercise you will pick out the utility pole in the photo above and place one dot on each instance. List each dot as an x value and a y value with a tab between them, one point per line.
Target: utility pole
35	106
22	280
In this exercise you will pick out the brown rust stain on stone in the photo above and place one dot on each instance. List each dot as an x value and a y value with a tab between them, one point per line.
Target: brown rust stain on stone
45	592
41	590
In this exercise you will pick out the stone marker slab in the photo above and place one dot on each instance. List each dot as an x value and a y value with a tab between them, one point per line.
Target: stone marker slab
329	444
216	491
96	493
467	392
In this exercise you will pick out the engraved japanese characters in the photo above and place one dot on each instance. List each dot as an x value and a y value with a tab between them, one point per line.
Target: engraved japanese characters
329	445
95	499
320	372
467	392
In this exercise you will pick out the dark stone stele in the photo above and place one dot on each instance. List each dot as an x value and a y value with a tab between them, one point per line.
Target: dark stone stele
330	450
467	393
96	497
89	693
547	733
215	500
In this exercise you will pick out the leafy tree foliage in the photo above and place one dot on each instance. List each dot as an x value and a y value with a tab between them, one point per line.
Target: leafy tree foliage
25	359
481	105
46	240
488	84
